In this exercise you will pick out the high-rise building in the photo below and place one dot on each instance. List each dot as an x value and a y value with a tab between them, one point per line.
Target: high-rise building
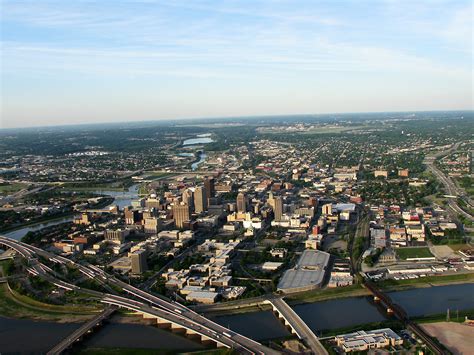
188	198
278	210
181	214
209	185
138	261
83	219
152	225
116	236
241	202
271	200
327	209
131	216
200	199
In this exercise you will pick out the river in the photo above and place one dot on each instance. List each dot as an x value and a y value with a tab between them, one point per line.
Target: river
121	198
202	139
261	325
202	159
347	312
42	336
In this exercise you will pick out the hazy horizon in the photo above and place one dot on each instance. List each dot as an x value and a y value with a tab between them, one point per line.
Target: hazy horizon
276	117
67	63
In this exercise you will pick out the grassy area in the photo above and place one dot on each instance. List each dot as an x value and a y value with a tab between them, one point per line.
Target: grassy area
14	305
36	221
441	317
425	281
153	175
327	294
405	253
93	188
8	188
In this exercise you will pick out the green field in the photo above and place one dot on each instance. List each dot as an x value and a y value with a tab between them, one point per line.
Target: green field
327	294
405	253
14	305
7	188
428	281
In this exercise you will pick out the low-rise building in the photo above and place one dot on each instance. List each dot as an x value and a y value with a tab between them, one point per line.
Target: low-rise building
271	266
366	340
206	297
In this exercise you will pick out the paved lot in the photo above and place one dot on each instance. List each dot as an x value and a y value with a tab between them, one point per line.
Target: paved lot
459	338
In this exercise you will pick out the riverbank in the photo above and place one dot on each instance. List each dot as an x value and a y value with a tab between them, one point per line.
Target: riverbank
256	304
355	290
37	222
423	282
15	305
454	316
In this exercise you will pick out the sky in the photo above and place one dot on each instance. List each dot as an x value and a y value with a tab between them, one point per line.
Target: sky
85	61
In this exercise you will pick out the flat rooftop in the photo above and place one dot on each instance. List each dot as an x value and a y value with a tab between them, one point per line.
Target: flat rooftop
307	274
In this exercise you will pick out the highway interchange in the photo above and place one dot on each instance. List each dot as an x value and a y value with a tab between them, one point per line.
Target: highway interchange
150	305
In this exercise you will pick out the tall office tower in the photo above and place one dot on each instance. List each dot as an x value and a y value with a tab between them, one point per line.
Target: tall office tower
200	199
138	261
152	225
131	216
271	200
312	201
188	198
209	185
278	210
180	214
241	203
116	236
327	208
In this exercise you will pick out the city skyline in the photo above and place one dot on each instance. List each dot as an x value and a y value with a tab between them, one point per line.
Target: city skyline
91	61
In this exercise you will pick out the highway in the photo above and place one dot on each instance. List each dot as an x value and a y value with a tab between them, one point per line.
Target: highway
451	188
300	327
150	304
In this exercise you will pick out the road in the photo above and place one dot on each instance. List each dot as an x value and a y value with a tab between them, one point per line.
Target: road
300	327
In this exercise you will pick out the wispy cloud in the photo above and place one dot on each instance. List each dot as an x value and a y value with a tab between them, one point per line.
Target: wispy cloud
251	42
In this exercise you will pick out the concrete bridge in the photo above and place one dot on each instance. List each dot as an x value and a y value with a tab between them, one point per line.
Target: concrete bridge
297	325
173	321
78	334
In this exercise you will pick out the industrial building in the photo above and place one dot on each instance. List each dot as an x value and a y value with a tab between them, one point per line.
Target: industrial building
308	273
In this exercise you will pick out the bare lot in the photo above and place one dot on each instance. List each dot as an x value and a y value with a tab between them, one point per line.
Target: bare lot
459	338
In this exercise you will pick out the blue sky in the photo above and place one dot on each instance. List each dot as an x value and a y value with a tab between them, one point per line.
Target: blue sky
82	61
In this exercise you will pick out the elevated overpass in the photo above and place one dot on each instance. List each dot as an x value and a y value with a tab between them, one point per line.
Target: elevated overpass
297	325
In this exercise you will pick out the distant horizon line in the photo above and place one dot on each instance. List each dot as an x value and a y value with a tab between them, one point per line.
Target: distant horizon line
201	118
